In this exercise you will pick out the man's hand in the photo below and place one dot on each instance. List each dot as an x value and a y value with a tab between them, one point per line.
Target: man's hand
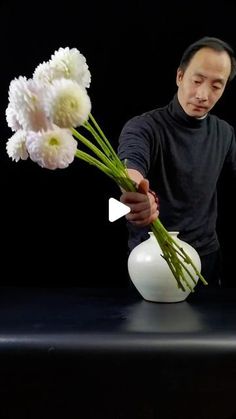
144	205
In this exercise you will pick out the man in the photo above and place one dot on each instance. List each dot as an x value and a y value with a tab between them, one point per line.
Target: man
181	150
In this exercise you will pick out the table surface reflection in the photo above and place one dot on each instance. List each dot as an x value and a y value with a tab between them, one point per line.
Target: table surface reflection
104	348
80	319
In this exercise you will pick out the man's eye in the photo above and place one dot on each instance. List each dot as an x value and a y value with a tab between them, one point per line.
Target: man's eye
196	81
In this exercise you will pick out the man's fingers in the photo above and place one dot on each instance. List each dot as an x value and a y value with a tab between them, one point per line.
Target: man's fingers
131	197
143	186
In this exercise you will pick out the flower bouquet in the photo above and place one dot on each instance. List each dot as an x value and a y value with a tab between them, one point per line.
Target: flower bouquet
45	111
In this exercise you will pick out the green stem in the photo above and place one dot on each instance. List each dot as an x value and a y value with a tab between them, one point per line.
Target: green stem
116	171
172	250
102	135
101	138
94	162
108	150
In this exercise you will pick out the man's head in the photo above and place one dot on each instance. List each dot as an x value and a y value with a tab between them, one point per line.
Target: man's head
204	70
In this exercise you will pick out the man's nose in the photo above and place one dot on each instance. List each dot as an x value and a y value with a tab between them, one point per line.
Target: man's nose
202	93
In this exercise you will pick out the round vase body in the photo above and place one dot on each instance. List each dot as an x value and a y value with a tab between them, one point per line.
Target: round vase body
151	274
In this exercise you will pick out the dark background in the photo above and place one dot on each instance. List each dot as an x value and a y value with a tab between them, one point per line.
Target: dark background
54	224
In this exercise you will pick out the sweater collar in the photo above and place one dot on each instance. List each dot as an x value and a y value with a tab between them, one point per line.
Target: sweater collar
176	111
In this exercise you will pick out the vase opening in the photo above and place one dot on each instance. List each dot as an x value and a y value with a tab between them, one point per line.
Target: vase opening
172	233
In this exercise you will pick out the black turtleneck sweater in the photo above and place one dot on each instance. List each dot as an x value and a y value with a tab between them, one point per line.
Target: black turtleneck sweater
182	157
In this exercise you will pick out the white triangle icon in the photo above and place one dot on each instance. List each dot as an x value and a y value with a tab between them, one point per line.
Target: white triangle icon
117	209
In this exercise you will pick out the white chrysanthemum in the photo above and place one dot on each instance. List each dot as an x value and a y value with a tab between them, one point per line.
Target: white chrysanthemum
43	73
70	64
16	148
51	149
67	103
26	105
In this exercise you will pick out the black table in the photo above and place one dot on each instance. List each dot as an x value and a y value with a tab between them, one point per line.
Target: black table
91	353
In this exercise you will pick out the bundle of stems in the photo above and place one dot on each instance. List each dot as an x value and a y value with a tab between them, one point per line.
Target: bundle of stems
108	162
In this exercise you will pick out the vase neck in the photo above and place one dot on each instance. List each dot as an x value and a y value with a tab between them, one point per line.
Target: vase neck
174	233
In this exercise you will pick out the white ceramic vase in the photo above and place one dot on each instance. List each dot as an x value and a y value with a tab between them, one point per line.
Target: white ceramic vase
151	274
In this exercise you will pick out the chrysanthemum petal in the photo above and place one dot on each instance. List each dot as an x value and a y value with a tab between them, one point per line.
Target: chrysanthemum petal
11	117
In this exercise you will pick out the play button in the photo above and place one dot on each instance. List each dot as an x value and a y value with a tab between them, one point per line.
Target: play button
117	209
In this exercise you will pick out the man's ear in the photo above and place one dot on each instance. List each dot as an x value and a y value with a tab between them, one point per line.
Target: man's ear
179	76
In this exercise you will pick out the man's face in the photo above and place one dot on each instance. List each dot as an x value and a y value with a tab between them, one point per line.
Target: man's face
203	82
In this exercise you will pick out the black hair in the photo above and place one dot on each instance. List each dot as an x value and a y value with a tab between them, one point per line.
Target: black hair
209	42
